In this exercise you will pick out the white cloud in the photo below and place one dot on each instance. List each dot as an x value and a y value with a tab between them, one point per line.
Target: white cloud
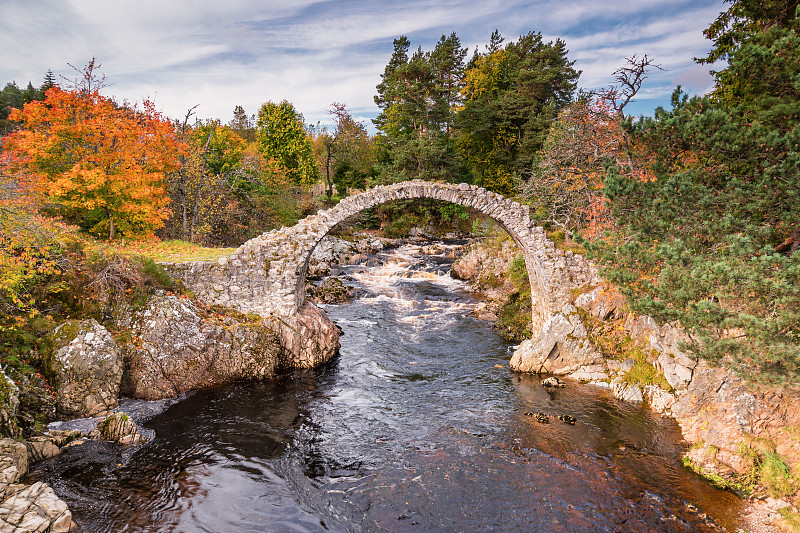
314	52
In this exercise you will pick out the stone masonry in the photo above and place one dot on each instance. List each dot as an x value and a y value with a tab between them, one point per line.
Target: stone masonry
266	275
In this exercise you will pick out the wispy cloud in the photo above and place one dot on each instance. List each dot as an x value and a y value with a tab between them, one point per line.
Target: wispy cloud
314	52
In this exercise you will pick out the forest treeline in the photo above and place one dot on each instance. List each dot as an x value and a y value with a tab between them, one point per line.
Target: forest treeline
694	212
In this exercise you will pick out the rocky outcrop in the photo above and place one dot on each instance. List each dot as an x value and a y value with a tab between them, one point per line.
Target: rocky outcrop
13	465
86	368
25	509
176	346
720	415
35	508
562	347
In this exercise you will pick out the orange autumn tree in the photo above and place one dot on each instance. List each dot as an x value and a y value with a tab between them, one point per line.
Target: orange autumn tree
85	153
584	140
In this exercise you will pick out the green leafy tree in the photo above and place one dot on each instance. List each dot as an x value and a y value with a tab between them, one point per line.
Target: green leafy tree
346	144
281	136
511	96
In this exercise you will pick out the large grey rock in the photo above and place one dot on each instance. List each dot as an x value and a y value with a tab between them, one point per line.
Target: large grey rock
308	339
86	366
178	347
35	509
677	375
717	409
627	392
659	400
562	347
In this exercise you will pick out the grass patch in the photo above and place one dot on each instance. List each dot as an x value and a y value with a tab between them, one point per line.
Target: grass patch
643	373
718	481
791	519
173	251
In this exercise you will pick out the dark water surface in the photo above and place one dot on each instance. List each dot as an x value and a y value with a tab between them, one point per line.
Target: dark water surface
417	426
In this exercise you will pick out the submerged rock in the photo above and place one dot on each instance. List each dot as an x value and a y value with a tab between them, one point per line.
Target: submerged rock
86	366
553	382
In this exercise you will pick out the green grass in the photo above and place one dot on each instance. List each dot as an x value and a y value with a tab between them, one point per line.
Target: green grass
173	251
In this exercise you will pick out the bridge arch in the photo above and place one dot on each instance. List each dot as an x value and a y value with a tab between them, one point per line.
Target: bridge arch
266	275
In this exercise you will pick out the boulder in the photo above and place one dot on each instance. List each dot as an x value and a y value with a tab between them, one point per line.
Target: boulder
120	428
13	464
41	448
562	347
86	368
308	339
677	375
627	392
717	409
35	509
659	400
331	291
177	346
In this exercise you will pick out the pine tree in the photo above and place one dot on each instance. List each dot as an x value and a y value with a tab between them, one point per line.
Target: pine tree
712	241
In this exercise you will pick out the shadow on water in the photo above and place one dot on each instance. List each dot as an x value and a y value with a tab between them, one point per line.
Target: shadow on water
417	426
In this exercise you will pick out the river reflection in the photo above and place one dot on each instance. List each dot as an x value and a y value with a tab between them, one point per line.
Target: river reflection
417	426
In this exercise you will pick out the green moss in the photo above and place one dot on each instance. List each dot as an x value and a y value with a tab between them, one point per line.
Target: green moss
743	489
514	317
243	318
766	468
764	471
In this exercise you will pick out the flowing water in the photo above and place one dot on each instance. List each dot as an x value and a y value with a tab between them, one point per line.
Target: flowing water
417	426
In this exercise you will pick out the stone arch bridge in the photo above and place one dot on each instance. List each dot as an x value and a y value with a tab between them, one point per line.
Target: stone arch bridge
266	275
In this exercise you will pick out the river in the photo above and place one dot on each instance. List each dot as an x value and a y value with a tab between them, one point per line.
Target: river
417	426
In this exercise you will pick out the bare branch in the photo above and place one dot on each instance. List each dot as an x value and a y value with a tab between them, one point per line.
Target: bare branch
629	79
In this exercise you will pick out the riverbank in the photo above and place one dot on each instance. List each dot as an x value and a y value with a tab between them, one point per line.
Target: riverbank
493	271
417	420
739	436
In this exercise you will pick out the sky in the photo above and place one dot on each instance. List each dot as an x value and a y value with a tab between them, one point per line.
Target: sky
220	54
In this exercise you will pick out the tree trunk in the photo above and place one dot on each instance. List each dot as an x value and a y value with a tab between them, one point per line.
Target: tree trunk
112	230
328	172
200	185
